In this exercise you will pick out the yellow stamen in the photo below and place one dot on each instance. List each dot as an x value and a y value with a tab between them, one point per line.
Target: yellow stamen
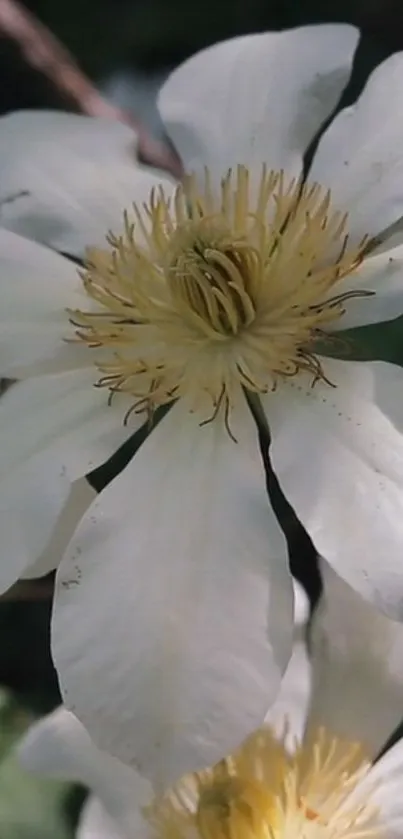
263	792
204	294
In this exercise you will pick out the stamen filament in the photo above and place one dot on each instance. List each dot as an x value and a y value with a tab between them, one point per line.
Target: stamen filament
218	292
264	791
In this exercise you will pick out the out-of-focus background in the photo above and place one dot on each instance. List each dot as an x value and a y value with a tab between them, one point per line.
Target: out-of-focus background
126	48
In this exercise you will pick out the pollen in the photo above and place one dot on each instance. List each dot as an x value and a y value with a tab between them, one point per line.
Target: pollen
264	792
211	290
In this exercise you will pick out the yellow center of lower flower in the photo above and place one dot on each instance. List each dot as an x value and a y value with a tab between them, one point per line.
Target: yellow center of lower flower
263	792
207	292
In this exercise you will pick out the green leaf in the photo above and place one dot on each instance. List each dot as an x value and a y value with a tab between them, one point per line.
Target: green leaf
377	342
30	807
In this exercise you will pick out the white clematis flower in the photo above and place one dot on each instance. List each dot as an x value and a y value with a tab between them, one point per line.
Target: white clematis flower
173	613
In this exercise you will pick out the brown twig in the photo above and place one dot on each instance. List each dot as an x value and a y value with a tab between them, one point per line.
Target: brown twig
44	53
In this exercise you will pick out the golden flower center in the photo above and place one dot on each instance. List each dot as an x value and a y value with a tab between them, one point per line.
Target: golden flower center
263	792
208	292
229	805
215	280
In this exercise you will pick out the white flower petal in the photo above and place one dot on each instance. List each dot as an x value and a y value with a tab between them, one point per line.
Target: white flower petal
81	496
58	746
31	500
62	411
54	430
257	98
382	274
382	790
301	607
339	461
385	782
291	704
95	823
171	634
67	179
388	389
37	285
357	674
360	156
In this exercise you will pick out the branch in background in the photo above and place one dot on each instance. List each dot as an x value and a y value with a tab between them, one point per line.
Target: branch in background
44	53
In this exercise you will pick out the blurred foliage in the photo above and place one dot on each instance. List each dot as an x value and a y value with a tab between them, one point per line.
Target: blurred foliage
25	662
379	342
30	807
102	32
383	342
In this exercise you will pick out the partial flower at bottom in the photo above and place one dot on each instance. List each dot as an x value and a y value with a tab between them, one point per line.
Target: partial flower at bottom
324	785
262	790
282	782
58	746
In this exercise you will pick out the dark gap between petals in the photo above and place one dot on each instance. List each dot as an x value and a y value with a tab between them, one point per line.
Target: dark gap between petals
76	259
102	476
303	558
394	738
